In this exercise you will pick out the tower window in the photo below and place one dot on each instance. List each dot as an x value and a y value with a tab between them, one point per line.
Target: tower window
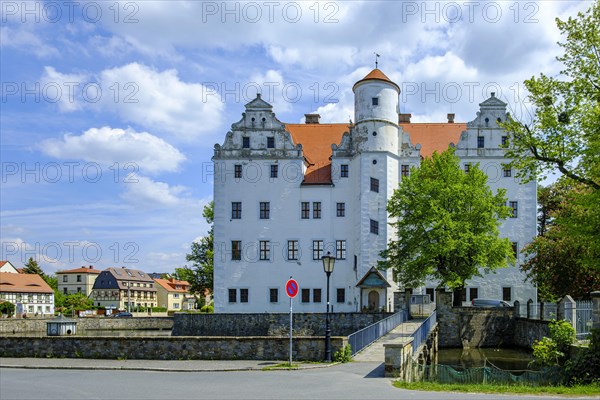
237	171
374	133
375	101
236	210
344	171
274	170
374	227
375	185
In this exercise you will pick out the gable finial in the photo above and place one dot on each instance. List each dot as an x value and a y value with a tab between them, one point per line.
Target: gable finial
376	57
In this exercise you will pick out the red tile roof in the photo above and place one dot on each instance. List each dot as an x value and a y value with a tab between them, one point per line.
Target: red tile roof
171	285
316	140
434	136
82	270
23	283
2	263
377	75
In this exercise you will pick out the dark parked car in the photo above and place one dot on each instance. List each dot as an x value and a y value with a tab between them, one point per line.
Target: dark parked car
124	315
490	303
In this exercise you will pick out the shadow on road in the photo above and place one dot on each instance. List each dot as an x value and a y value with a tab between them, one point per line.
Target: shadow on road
378	372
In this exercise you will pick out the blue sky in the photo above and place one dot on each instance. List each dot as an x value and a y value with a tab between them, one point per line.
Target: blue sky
110	110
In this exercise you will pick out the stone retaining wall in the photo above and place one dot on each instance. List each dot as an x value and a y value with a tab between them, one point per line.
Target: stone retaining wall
10	326
306	324
527	331
170	348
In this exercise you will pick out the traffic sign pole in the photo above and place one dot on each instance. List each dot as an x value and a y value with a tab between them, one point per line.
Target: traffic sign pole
291	289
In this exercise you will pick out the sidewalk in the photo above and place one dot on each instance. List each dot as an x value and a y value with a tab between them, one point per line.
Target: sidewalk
145	365
376	352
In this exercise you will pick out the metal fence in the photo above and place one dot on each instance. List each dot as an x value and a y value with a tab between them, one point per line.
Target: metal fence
583	318
420	335
364	337
579	314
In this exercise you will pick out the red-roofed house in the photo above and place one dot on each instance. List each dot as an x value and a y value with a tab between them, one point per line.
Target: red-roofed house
174	294
28	292
78	280
6	266
286	195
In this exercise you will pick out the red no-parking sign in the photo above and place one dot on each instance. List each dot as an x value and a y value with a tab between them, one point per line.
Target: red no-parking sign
291	288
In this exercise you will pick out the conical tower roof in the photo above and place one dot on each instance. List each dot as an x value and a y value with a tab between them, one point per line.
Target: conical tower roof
376	75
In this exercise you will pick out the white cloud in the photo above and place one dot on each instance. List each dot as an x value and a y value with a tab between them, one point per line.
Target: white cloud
148	193
64	88
25	39
138	94
108	145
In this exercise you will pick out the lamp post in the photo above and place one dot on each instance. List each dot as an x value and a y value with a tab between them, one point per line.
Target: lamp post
328	264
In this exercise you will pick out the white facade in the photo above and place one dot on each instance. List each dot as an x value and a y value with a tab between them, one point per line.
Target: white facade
283	222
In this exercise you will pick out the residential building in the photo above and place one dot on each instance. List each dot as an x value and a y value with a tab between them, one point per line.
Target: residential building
124	288
174	295
78	280
29	293
6	266
285	195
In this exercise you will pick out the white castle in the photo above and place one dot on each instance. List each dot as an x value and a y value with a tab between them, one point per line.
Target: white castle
287	194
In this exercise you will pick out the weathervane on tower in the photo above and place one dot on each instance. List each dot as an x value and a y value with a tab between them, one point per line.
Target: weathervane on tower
376	57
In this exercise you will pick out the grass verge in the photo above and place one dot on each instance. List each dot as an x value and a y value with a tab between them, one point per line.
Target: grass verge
579	390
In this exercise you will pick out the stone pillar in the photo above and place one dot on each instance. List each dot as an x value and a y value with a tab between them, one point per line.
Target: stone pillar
567	310
407	301
517	309
398	301
398	360
595	310
529	304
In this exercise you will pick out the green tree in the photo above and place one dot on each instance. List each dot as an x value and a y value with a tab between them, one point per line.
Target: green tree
7	308
563	258
32	267
447	225
200	274
564	131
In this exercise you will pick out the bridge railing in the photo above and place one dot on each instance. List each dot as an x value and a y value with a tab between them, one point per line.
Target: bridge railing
420	335
364	337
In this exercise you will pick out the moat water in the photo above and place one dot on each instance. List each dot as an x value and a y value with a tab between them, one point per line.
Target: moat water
506	359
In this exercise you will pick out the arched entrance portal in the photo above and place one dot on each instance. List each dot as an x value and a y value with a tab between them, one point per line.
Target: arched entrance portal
373	300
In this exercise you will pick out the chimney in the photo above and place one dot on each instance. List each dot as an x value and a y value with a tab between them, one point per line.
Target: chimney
312	118
404	118
172	279
450	118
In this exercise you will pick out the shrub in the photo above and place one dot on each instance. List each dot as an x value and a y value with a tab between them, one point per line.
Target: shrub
207	309
7	308
563	334
554	350
585	369
343	355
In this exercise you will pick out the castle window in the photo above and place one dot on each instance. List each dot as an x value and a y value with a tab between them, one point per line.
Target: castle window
236	250
340	249
515	249
237	171
506	293
480	142
473	293
232	295
515	208
341	295
375	101
265	209
305	295
316	295
246	142
467	167
344	171
274	170
341	209
274	295
317	249
375	185
305	210
265	250
405	170
506	171
317	210
504	140
374	226
374	133
270	142
292	249
236	210
243	295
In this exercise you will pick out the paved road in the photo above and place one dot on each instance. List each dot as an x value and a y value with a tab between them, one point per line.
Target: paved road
359	380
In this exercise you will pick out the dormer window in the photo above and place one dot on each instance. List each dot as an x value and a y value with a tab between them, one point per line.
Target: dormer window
246	142
375	101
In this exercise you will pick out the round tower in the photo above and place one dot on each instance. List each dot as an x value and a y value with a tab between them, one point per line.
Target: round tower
376	111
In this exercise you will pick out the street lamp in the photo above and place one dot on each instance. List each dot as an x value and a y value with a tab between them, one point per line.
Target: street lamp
328	264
